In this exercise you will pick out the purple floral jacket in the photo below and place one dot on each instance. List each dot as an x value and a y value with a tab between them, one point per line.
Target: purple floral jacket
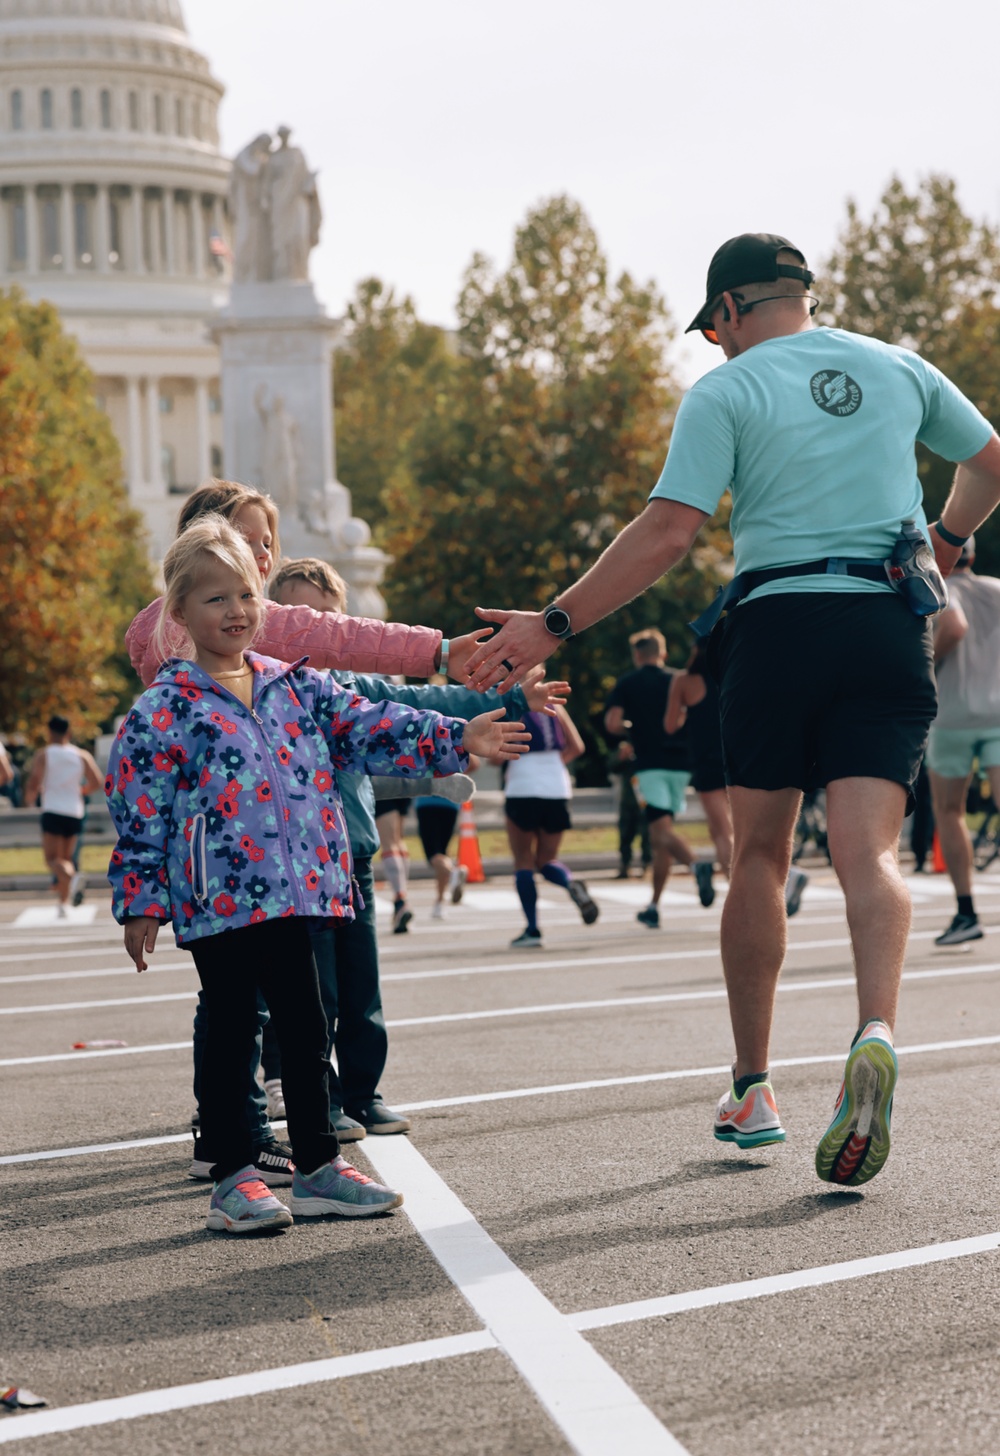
227	815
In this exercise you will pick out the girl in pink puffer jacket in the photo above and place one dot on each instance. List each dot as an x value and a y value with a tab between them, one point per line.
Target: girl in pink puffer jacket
331	639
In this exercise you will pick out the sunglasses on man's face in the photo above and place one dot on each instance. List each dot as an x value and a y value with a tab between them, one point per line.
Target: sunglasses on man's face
710	335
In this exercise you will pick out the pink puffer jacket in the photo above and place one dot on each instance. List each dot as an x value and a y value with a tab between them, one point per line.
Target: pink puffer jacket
328	639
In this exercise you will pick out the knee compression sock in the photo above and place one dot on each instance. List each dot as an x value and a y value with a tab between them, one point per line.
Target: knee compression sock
556	873
528	895
966	907
394	866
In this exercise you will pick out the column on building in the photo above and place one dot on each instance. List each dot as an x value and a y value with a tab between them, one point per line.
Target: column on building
68	239
169	231
203	437
154	475
138	259
135	471
102	245
31	229
198	211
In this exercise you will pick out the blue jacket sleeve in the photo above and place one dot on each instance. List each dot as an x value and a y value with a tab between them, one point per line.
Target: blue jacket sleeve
449	698
140	788
384	737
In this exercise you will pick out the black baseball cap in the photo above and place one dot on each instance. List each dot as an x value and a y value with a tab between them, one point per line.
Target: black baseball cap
750	258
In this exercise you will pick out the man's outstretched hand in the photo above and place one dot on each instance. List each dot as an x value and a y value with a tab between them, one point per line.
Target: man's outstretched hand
522	642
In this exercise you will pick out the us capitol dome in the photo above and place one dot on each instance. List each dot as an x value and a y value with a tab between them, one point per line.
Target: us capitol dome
113	196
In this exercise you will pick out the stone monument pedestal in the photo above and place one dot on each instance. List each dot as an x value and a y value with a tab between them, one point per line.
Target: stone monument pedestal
276	345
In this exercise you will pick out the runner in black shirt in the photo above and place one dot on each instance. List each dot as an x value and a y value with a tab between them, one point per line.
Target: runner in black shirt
638	706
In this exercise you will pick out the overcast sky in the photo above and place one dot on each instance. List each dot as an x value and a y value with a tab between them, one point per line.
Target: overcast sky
435	124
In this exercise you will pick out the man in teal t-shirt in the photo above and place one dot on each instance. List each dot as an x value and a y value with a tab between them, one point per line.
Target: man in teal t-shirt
825	673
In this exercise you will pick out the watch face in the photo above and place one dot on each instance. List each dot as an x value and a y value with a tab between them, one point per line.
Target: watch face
557	621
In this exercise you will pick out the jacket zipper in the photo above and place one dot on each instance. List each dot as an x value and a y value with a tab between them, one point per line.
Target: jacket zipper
276	778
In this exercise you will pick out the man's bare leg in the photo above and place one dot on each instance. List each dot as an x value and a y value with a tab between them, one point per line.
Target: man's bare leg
864	817
668	847
953	832
754	923
720	826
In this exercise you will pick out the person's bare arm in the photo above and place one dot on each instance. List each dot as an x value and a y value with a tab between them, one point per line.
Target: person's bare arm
35	776
949	629
574	743
614	721
974	495
686	689
92	779
6	768
647	548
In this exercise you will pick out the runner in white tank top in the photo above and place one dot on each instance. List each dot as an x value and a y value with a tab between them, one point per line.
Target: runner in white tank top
63	776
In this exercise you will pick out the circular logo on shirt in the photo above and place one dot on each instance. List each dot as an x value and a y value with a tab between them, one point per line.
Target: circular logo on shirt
835	392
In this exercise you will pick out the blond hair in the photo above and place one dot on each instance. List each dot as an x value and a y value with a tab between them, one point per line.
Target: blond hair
317	573
227	498
208	539
650	642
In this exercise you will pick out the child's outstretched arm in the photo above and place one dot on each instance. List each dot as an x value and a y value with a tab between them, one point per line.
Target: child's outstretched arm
491	737
536	695
382	737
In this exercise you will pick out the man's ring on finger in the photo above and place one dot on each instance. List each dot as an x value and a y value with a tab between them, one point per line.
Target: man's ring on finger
508	665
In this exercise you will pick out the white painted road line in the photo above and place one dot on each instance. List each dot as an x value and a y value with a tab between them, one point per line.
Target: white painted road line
516	1093
150	970
643	1309
82	1056
587	1400
237	1387
653	999
98	1005
209	1392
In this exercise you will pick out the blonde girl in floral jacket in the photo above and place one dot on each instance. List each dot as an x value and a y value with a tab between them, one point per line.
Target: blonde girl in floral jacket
222	785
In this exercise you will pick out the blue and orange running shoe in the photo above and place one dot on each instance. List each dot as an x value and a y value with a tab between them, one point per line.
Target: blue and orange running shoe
242	1204
750	1121
856	1144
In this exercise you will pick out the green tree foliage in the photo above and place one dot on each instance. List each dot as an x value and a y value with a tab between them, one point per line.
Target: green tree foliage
386	376
72	557
541	444
922	273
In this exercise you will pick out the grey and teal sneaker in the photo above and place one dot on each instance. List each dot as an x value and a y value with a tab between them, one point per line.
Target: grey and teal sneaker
242	1204
338	1188
856	1144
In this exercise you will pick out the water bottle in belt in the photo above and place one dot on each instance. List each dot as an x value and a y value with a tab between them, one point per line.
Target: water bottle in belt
914	573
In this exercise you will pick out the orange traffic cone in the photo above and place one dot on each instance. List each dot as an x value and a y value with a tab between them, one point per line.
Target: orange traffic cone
940	868
468	846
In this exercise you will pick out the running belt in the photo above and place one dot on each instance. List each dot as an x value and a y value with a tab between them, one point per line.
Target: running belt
748	581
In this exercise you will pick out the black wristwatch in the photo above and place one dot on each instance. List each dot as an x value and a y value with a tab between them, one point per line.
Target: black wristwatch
557	622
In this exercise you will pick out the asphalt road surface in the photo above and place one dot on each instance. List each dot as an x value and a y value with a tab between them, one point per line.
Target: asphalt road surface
578	1267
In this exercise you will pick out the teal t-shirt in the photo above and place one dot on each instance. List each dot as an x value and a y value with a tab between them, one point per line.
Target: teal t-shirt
814	433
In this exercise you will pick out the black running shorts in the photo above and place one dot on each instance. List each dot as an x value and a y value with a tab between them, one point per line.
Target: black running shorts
817	686
60	824
436	825
548	816
392	806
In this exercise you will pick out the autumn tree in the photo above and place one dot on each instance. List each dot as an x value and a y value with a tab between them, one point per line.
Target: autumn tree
920	272
72	557
387	371
546	443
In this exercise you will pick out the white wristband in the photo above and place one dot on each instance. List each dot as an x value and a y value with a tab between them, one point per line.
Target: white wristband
445	649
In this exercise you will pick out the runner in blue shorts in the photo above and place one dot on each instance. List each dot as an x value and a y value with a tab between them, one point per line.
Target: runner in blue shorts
638	706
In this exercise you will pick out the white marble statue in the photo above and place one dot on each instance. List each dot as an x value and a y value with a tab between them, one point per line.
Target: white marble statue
279	456
276	212
249	206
